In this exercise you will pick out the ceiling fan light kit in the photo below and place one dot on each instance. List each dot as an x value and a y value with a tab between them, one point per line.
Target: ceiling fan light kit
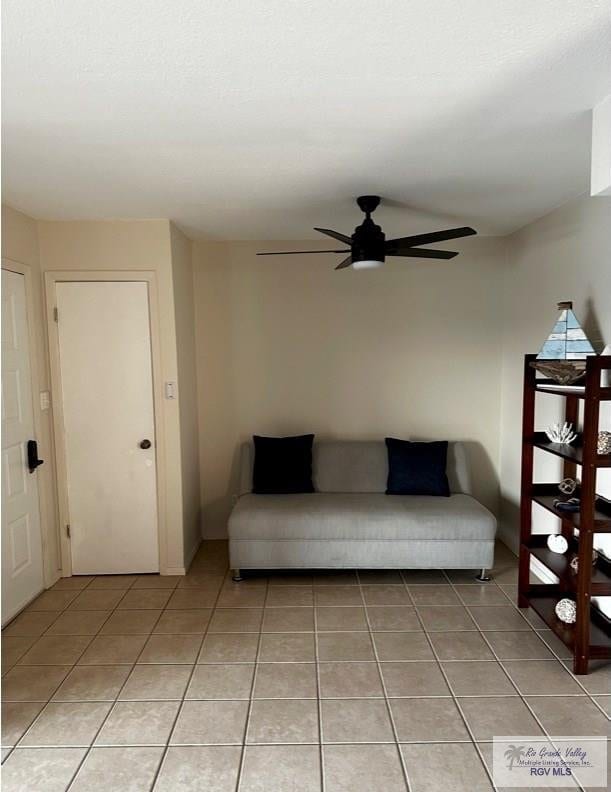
368	247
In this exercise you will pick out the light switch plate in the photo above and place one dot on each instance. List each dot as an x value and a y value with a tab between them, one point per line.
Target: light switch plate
170	390
45	400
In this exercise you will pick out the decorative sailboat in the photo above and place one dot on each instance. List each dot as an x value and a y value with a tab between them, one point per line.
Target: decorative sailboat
563	354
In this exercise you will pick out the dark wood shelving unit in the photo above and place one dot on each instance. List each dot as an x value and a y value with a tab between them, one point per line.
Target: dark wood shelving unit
590	636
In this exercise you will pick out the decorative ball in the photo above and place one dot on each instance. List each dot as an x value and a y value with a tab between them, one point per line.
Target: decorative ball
604	443
574	562
568	486
557	543
566	611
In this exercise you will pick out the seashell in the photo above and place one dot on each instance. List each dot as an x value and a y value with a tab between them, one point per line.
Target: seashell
603	445
561	433
566	611
557	543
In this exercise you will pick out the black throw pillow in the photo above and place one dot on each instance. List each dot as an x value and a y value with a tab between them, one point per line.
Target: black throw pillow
283	465
417	468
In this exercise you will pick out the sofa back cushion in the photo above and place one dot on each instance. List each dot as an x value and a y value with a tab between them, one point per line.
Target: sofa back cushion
349	466
357	466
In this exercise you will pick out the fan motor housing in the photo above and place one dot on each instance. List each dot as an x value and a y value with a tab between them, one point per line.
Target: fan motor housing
368	242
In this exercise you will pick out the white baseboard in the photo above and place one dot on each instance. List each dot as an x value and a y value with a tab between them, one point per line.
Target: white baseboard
183	569
174	571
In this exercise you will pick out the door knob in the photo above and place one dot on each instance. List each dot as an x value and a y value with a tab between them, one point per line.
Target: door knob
145	444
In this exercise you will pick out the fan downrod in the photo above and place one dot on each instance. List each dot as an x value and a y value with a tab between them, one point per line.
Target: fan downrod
368	203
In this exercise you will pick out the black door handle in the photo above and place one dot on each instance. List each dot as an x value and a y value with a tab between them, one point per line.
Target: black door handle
33	460
145	444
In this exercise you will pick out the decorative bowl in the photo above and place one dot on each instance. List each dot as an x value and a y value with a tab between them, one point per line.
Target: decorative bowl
564	372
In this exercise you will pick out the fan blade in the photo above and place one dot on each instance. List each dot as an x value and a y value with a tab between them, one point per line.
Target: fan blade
424	253
336	235
345	263
426	239
293	252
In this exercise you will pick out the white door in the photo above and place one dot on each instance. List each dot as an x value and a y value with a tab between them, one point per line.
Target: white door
107	393
22	577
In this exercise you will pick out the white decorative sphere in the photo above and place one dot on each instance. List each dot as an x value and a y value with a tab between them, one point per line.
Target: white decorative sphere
557	543
566	611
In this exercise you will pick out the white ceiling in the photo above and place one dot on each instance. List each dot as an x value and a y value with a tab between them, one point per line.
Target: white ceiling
244	119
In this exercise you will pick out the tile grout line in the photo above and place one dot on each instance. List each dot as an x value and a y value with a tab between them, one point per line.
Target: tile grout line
383	683
507	674
72	667
522	696
558	658
181	700
37	638
549	646
455	698
317	661
252	692
116	699
496	659
321	751
59	613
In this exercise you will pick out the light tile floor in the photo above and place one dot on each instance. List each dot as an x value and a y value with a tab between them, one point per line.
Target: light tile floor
304	682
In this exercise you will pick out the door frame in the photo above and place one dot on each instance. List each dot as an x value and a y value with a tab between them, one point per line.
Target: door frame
139	276
34	353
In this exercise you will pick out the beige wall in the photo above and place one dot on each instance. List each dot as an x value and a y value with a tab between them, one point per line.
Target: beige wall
563	256
146	245
20	244
289	345
216	398
133	245
182	277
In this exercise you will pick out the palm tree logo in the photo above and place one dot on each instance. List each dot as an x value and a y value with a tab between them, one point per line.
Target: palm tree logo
513	754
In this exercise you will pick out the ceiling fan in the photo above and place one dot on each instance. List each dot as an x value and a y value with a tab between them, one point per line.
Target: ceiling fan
368	246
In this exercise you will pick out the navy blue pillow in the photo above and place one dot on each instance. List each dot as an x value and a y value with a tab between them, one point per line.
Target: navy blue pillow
283	465
417	468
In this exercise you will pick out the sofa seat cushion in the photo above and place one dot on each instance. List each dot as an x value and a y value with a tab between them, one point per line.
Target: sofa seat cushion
354	516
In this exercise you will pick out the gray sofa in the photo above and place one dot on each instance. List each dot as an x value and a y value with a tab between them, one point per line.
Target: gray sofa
349	522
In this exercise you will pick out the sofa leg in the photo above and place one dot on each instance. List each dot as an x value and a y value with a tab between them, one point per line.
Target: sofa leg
236	576
483	577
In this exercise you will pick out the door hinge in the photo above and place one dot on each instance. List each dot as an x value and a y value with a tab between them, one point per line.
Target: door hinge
55	315
68	531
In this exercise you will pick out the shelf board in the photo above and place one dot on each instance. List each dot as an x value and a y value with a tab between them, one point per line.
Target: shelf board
574	453
559	564
549	386
544	605
546	494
